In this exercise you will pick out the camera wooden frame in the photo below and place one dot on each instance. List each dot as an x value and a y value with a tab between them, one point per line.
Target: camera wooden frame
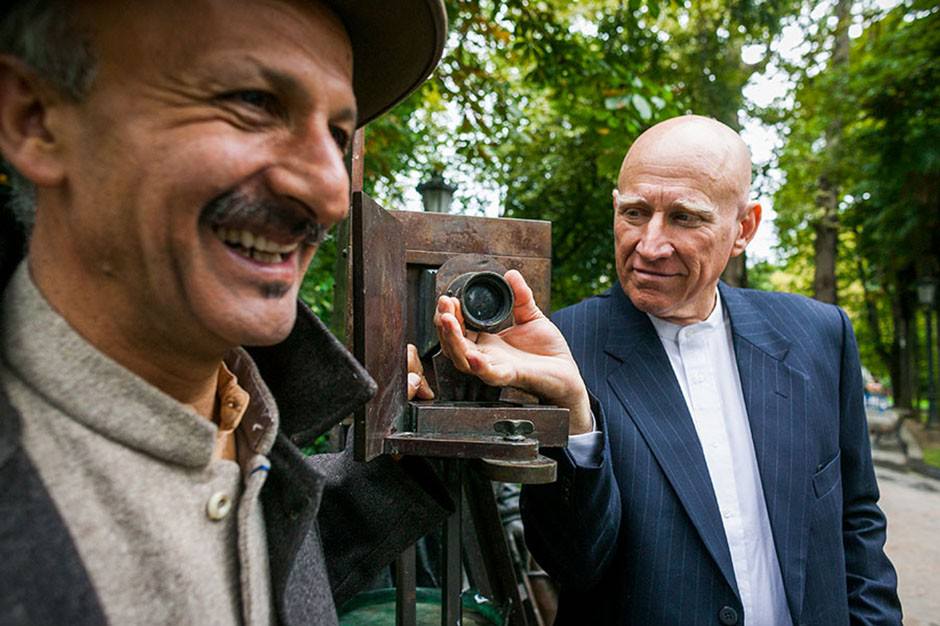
390	251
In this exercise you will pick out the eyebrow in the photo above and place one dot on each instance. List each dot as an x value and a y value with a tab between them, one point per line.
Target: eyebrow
347	114
702	210
286	83
693	207
630	200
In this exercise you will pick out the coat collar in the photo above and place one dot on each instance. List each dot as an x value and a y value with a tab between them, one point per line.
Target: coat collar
12	249
629	332
774	397
316	381
12	245
750	325
648	389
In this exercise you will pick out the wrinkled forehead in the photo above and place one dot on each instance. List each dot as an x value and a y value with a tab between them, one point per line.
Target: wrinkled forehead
171	33
695	154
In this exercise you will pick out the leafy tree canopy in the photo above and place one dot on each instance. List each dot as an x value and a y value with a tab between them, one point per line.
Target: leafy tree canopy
542	100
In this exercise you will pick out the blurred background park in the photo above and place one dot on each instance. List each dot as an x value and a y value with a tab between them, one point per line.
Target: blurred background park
535	103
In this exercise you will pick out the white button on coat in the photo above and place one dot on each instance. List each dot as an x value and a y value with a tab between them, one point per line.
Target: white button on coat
218	506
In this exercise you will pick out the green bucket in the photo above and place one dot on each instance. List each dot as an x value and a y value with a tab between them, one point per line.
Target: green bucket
377	608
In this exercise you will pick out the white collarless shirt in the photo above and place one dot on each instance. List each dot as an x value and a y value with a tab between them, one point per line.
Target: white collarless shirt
702	357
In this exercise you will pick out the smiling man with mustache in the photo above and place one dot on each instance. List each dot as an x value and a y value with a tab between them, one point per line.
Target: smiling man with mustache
176	165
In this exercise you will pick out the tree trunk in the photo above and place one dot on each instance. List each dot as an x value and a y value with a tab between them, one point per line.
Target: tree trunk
871	309
826	244
902	371
894	363
914	349
936	351
827	198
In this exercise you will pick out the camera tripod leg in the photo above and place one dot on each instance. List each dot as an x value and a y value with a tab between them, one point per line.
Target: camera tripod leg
405	588
452	582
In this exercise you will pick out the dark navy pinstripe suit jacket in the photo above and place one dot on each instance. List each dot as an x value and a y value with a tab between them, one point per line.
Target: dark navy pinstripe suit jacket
639	539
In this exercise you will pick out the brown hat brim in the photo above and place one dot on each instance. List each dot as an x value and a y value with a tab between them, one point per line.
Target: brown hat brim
396	45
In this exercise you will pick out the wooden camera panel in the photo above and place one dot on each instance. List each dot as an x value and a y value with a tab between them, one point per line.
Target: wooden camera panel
391	255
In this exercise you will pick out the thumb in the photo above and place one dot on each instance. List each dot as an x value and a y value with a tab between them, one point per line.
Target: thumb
524	309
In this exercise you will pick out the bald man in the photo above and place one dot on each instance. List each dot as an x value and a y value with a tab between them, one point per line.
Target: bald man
728	478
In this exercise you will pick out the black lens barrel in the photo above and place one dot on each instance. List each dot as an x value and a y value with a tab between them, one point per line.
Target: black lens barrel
486	300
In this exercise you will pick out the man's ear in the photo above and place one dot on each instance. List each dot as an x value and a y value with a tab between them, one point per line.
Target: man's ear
25	140
747	228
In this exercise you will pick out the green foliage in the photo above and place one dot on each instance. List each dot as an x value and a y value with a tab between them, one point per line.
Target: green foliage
320	445
317	288
584	108
895	87
542	100
886	162
932	456
568	86
760	275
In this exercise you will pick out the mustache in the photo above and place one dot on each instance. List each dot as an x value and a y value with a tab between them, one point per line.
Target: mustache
262	214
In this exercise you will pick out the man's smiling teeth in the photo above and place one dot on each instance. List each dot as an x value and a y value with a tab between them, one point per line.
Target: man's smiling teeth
253	246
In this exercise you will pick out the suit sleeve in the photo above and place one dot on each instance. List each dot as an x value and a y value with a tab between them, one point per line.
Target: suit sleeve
571	525
870	577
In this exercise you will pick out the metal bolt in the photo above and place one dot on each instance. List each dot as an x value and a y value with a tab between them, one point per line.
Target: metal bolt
514	430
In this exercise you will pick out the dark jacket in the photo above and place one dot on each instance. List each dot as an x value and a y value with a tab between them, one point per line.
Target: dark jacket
332	523
639	539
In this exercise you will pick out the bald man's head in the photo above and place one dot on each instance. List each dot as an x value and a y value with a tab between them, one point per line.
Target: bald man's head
681	211
701	144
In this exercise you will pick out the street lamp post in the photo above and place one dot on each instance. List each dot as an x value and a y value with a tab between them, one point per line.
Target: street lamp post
436	194
926	293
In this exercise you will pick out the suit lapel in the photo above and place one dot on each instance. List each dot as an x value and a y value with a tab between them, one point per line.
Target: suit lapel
775	397
647	387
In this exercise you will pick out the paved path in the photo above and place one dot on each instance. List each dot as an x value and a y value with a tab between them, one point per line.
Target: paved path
912	505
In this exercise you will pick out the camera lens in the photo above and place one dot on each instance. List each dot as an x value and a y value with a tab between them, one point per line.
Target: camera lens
486	301
483	302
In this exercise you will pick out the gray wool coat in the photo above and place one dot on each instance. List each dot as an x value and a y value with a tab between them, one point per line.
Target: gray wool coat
319	557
